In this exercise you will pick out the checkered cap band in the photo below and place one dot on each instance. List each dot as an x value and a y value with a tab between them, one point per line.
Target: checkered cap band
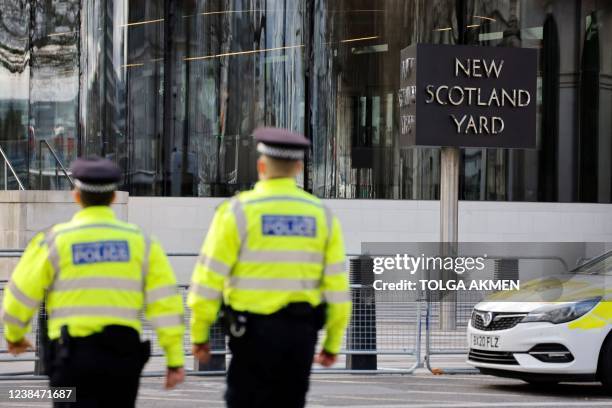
95	188
280	153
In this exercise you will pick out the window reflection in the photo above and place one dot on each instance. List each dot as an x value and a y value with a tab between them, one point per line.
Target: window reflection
103	95
221	72
14	88
54	90
348	159
172	90
354	108
39	88
144	69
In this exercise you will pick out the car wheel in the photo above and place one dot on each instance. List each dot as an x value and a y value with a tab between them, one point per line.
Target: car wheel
604	369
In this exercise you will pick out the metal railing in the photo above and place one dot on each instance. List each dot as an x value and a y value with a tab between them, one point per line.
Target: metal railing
7	167
395	322
58	164
384	325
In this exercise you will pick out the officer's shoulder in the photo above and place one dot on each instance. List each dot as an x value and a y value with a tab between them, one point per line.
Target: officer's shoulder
46	235
328	212
130	228
136	231
223	205
314	199
55	229
245	195
39	238
226	204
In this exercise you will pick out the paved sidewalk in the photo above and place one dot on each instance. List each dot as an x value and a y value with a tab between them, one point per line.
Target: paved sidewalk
421	390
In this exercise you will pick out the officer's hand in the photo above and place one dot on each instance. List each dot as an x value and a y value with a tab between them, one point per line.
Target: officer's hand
174	376
19	347
326	359
201	352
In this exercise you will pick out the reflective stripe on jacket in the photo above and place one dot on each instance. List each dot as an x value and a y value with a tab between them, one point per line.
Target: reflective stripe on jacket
96	271
266	248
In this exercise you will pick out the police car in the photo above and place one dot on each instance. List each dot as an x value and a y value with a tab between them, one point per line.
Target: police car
529	336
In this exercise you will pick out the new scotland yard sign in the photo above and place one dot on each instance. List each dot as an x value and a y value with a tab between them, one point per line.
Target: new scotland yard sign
468	96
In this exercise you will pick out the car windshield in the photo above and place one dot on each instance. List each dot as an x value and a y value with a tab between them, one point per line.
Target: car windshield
602	266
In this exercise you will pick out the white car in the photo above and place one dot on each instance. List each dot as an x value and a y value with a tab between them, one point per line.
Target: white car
524	336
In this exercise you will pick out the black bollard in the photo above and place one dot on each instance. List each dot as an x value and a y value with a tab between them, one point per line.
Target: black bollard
361	333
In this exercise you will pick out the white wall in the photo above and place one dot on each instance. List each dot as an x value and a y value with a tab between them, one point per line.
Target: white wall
181	223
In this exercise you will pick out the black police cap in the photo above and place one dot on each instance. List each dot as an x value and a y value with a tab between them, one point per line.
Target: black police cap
95	174
280	143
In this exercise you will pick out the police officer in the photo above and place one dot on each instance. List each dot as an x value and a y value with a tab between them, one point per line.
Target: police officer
274	256
97	274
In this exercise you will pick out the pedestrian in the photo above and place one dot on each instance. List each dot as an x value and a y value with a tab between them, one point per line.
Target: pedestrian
274	258
96	274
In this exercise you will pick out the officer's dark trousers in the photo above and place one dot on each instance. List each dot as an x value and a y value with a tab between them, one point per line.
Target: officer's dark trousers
105	369
271	363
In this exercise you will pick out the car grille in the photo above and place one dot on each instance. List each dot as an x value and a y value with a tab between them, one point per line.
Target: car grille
492	357
499	321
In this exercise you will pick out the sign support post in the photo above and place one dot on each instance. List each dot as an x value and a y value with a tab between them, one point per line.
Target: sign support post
457	96
450	158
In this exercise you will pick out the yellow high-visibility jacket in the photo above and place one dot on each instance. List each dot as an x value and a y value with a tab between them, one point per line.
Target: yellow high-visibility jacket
266	248
95	271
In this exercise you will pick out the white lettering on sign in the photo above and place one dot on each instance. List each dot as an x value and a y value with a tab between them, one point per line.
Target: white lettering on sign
474	96
478	125
474	68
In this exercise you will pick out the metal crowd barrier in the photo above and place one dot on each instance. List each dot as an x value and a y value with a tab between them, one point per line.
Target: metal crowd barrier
443	341
384	335
385	327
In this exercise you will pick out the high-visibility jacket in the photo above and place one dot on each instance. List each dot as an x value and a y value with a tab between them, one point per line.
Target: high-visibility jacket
266	248
96	271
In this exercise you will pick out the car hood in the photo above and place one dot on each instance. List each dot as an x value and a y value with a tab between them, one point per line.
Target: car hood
550	290
506	307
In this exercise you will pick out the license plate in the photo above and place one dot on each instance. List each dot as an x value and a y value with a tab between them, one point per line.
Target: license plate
485	341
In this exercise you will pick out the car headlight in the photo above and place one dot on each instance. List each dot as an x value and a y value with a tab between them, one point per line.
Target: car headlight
561	313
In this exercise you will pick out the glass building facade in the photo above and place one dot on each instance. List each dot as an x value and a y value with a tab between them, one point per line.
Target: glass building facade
172	90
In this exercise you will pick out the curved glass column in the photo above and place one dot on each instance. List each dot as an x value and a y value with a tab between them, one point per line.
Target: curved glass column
103	79
241	66
39	82
221	68
356	54
54	90
144	72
